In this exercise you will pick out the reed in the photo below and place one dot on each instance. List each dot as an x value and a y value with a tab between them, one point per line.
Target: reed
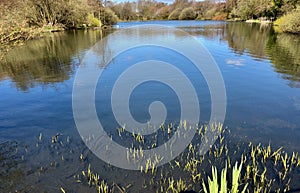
253	173
213	184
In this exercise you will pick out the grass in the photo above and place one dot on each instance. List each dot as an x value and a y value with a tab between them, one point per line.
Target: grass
255	172
214	186
227	167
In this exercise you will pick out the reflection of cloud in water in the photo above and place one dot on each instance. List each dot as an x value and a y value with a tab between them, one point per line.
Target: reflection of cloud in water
296	103
237	62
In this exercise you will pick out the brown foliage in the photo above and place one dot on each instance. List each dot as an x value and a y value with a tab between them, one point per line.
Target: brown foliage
221	16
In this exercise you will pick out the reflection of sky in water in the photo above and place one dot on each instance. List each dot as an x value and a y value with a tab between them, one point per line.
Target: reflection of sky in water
262	104
153	91
259	99
296	102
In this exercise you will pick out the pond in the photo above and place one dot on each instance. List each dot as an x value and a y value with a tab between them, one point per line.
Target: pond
260	70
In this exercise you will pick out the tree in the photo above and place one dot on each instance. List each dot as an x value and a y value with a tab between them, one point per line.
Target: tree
175	14
125	10
246	9
117	9
181	4
276	5
54	12
230	5
204	9
187	14
262	8
108	17
288	6
163	13
146	8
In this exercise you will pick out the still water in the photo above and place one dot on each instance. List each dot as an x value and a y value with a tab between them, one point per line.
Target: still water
261	72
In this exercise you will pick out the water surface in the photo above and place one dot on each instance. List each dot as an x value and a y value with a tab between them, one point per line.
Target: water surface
261	71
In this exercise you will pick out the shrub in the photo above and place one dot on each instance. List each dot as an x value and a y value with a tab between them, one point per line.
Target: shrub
174	14
162	13
108	17
220	16
92	21
187	14
207	15
289	22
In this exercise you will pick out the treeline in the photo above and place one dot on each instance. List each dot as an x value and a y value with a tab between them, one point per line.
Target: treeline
240	10
207	9
178	10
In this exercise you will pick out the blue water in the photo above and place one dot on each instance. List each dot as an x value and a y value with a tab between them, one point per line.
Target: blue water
262	104
260	70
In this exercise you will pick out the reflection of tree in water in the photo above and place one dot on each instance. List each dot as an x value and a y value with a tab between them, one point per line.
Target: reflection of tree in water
284	52
208	31
53	59
241	37
261	42
48	60
44	71
247	37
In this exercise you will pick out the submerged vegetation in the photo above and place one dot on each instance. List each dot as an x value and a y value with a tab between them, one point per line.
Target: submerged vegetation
228	166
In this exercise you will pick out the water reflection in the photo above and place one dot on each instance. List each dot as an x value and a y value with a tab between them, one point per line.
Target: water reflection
53	59
208	31
246	37
261	42
260	107
48	60
284	52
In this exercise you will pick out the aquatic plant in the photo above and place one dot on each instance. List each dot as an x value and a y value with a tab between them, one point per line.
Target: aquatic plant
93	179
215	187
253	173
235	167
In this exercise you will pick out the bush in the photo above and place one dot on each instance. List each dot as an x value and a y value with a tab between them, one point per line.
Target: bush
187	14
108	17
207	15
162	13
220	16
174	14
70	13
289	22
14	29
92	21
